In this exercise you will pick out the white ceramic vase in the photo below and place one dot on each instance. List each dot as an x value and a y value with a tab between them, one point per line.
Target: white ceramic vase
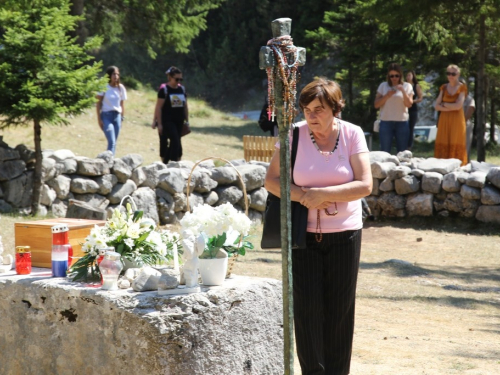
213	271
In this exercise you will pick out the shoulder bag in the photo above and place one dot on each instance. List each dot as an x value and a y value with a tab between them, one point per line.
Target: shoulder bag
271	232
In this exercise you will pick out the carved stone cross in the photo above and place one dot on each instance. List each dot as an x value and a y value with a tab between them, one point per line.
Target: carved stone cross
281	47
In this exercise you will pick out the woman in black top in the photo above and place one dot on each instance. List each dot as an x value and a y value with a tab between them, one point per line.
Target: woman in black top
170	113
411	78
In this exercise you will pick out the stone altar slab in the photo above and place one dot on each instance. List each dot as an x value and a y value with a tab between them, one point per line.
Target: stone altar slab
54	326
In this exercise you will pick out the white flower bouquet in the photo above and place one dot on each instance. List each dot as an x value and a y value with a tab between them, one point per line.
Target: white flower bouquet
220	227
134	237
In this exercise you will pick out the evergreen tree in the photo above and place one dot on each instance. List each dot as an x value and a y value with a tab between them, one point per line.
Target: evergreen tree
43	72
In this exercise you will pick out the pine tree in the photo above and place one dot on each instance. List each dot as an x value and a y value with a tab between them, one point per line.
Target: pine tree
44	75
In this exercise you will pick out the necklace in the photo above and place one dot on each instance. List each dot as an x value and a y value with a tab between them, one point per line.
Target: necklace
319	235
326	154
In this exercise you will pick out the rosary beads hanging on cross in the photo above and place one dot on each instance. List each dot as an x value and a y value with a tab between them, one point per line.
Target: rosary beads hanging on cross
281	60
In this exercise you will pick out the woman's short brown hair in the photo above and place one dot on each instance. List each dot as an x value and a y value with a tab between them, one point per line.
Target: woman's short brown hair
328	92
394	67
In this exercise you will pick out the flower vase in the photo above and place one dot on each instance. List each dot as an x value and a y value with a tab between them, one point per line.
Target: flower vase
213	271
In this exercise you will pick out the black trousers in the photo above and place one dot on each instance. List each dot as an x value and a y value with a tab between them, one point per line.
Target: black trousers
324	292
170	142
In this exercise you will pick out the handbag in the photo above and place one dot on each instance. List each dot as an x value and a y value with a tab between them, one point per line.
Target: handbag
185	129
271	232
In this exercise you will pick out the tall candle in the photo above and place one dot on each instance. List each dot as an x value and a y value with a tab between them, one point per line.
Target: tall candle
176	258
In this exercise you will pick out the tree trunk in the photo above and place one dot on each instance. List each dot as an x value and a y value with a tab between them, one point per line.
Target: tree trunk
37	181
80	32
480	101
492	111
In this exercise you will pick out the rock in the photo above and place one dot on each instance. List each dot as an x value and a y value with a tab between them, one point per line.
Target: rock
210	199
228	194
381	170
82	210
431	182
8	153
468	192
133	160
47	195
167	206
11	169
383	157
106	183
253	176
398	172
470	208
147	279
108	157
145	199
488	214
59	208
404	156
417	173
132	273
451	183
69	166
406	185
482	166
61	185
172	181
258	199
121	170
494	176
392	204
454	202
420	204
183	164
83	185
138	176
169	279
121	190
442	166
61	155
376	187
18	191
201	181
490	195
476	179
386	185
91	167
5	207
123	283
95	200
225	175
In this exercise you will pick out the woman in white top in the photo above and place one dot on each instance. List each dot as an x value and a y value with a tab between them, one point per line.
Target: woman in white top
110	107
394	97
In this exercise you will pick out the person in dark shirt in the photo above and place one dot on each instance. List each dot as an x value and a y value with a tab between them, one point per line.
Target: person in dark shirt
171	112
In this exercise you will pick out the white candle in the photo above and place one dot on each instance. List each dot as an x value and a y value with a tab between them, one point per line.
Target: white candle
176	258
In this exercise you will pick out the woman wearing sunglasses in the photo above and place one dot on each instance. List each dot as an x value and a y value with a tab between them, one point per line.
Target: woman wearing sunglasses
394	97
450	138
171	112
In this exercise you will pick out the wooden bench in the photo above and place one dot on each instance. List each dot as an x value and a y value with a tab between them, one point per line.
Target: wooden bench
258	147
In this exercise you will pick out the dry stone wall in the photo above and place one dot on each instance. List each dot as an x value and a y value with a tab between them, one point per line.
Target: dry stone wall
99	184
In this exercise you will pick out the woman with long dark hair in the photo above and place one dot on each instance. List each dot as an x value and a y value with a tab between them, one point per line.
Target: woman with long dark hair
411	78
110	107
171	113
394	97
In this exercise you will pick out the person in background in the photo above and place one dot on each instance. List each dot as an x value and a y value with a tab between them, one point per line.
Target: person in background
469	108
331	174
110	107
418	96
394	97
171	112
266	124
451	138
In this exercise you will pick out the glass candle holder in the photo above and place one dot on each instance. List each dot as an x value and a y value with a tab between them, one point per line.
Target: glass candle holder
110	269
60	250
100	257
23	260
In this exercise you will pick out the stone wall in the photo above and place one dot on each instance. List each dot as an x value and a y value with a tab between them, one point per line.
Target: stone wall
402	185
52	326
101	183
407	186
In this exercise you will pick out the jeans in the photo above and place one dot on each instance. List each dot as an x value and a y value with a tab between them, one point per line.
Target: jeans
391	129
112	123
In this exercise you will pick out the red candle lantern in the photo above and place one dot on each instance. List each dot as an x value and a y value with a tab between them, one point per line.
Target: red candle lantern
23	260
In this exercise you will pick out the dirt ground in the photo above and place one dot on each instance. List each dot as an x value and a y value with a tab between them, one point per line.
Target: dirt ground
428	298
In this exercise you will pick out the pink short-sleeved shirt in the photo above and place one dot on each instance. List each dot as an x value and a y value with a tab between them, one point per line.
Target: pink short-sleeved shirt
313	170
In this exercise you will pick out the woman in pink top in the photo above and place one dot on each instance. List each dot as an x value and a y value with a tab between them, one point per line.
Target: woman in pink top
332	173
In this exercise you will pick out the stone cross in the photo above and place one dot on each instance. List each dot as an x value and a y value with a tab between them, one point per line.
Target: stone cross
281	27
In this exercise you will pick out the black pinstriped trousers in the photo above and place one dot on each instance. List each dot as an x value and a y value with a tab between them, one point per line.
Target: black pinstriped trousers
324	292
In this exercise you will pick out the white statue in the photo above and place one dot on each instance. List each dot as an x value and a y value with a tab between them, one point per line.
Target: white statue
192	247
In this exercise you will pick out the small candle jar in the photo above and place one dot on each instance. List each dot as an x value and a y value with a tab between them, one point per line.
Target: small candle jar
110	269
100	257
23	260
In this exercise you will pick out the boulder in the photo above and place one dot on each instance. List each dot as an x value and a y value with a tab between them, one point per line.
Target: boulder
488	214
420	204
47	195
228	194
225	175
82	210
121	170
381	169
386	185
398	171
138	176
106	183
121	190
451	183
257	199
211	198
375	186
61	185
95	200
91	167
476	179
172	181
60	155
145	199
468	192
18	191
147	279
83	185
490	195
383	157
494	176
253	176
392	204
11	169
133	160
8	153
406	185
59	208
431	182
442	166
108	157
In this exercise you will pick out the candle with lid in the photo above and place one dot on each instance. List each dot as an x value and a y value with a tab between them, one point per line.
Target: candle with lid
23	260
110	269
61	250
101	254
